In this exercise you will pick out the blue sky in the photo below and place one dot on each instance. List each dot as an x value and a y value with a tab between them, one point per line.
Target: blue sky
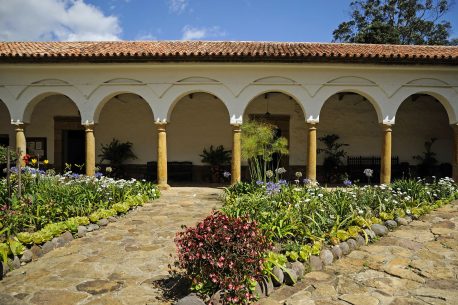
271	20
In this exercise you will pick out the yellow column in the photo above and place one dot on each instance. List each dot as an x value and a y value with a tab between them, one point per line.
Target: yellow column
455	153
385	164
162	155
20	143
90	150
236	165
311	152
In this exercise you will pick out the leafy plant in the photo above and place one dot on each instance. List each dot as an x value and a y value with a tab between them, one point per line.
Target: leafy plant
223	253
217	158
334	153
116	153
259	145
428	160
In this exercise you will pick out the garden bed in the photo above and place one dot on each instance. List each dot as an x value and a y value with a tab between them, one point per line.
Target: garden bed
50	210
294	227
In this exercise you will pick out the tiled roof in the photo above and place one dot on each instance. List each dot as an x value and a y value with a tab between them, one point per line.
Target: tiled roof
224	51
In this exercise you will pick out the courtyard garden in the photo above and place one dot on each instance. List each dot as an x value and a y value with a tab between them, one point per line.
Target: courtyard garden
270	231
38	205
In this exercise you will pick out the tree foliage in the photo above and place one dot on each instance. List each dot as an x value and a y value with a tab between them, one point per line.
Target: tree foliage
396	22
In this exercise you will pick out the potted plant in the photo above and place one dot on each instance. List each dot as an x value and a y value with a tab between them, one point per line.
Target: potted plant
334	154
116	153
217	158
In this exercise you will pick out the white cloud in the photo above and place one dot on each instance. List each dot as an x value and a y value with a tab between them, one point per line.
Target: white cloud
178	6
145	36
62	20
193	33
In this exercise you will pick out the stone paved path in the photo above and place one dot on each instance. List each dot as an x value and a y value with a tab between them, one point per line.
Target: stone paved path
415	264
116	264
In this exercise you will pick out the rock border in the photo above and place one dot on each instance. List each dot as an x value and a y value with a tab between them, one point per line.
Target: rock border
293	272
35	251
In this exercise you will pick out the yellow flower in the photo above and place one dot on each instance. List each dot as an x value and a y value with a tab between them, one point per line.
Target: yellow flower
34	161
45	162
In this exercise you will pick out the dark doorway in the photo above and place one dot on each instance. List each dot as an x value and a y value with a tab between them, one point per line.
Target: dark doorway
73	149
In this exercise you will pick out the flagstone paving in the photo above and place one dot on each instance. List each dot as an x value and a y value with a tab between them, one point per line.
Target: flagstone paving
114	265
415	264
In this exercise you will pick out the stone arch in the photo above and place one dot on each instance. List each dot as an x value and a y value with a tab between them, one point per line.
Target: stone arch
32	95
176	93
252	92
104	94
373	94
443	95
420	116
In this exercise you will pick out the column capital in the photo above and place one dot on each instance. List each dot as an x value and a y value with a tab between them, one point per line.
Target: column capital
18	123
313	120
236	120
386	127
88	127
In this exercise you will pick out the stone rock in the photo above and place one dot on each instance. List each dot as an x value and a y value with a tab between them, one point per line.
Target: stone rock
6	299
315	263
16	264
401	221
379	230
326	257
92	227
300	298
344	247
267	285
370	233
67	237
112	219
290	276
36	252
360	240
216	298
359	299
277	276
337	252
299	268
56	297
58	242
391	224
4	269
408	219
26	256
103	222
82	230
98	286
258	291
352	244
191	299
48	246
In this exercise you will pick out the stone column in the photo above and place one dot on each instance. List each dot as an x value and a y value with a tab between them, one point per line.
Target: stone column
90	150
311	152
20	143
385	160
162	155
455	152
236	163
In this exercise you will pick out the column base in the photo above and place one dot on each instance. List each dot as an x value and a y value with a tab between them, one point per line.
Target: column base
163	186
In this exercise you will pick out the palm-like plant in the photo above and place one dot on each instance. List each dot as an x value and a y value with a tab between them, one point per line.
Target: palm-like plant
334	154
216	158
116	153
428	160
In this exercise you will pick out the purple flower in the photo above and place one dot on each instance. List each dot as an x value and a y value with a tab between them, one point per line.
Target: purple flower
98	175
347	182
307	181
272	188
282	182
259	182
226	174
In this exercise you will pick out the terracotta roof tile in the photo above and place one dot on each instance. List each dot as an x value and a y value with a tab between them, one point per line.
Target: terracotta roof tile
224	51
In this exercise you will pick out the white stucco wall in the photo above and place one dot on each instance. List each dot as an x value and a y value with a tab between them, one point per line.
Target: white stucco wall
42	119
5	125
418	121
355	121
281	104
128	118
197	123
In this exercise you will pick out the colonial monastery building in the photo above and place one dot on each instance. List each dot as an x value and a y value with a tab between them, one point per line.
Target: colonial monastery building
170	99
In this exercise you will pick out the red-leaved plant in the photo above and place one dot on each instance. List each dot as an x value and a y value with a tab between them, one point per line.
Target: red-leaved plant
223	253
